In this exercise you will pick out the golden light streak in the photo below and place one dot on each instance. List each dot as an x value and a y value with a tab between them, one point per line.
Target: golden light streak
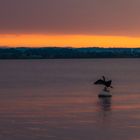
38	40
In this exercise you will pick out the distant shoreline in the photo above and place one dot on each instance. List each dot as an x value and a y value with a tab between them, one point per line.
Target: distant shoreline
68	53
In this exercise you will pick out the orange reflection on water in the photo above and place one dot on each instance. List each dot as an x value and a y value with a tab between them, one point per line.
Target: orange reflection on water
127	107
52	107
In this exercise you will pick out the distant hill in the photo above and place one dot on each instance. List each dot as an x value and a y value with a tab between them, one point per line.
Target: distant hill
67	53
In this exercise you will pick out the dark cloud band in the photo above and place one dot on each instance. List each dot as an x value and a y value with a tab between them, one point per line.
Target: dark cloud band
102	17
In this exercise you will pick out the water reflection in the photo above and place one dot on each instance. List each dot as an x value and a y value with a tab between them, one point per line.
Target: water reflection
105	104
104	110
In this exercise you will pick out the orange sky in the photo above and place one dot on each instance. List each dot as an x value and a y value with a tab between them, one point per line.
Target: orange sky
70	23
31	40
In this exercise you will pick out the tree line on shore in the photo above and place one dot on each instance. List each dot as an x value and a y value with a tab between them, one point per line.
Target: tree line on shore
67	53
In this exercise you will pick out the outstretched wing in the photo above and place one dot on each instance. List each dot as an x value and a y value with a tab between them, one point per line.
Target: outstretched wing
108	83
99	82
103	78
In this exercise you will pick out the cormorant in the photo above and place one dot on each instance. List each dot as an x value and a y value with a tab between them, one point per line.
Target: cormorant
103	81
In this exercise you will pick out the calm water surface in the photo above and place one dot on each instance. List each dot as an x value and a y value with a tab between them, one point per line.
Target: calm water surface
56	100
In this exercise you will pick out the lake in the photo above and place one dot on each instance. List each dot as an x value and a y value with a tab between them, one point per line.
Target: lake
56	100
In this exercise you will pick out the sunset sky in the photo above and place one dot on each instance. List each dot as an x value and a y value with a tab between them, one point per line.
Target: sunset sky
73	23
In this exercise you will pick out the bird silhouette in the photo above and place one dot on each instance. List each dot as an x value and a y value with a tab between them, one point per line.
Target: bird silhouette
104	82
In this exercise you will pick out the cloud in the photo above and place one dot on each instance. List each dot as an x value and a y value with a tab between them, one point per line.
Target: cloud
94	17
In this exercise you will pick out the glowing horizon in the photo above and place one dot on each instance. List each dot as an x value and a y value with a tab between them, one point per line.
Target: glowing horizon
42	40
73	23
